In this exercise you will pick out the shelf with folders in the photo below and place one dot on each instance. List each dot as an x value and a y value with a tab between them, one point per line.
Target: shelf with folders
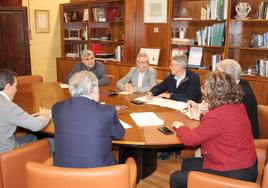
199	26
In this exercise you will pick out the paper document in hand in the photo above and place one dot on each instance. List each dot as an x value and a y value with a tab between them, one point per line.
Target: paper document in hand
144	119
125	125
143	99
63	86
168	103
125	92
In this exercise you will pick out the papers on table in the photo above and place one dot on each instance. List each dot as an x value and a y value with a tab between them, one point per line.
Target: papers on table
176	105
125	125
125	92
144	119
64	86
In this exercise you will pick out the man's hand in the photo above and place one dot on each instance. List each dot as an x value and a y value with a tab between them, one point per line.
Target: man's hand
129	87
164	95
149	96
43	112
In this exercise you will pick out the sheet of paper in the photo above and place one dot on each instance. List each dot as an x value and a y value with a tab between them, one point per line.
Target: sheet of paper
64	86
125	125
125	93
143	119
168	103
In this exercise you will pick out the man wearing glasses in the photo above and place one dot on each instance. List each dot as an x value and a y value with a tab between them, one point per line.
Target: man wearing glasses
89	64
139	79
181	84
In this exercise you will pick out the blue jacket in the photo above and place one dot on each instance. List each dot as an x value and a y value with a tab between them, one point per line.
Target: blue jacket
189	88
84	130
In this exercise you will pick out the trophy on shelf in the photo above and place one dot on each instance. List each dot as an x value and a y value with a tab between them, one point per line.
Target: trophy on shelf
182	32
242	9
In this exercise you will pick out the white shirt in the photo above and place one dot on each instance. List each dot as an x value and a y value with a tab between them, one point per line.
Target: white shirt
4	95
179	79
140	78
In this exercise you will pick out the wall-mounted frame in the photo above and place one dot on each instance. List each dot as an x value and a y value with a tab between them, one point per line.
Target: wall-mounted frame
155	11
42	21
153	54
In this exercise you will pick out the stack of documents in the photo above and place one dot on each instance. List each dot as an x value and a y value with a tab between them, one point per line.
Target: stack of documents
176	105
144	119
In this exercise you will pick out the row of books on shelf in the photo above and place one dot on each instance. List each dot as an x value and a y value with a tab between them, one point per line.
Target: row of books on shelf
263	10
211	35
216	9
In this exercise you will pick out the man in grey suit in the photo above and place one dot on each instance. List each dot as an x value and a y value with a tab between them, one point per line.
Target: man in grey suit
12	115
139	79
90	64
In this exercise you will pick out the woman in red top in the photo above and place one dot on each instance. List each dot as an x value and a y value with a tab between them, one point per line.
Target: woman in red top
224	134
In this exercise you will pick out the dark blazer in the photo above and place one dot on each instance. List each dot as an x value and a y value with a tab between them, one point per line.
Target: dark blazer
189	88
83	133
250	103
98	70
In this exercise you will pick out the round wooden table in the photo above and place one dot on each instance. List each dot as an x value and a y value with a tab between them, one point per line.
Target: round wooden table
138	142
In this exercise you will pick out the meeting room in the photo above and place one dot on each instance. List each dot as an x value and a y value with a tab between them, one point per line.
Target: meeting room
133	93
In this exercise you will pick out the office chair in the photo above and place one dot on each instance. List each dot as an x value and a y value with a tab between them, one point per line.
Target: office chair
116	176
12	163
29	79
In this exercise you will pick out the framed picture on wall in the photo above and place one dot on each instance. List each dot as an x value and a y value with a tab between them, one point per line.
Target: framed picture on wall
153	54
42	21
155	11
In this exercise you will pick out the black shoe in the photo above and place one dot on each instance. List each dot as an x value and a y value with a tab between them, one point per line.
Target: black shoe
165	155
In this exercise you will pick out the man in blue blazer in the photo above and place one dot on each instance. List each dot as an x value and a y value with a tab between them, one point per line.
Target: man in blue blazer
181	84
84	128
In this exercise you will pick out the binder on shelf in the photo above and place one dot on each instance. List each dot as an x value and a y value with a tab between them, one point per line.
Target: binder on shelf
195	57
216	58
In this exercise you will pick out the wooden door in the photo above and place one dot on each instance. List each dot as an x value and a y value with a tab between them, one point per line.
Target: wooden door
14	40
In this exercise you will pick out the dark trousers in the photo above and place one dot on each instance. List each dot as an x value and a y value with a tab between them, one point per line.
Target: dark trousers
178	179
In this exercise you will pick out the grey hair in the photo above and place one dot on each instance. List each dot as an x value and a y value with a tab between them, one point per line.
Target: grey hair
82	83
141	55
86	53
180	59
231	67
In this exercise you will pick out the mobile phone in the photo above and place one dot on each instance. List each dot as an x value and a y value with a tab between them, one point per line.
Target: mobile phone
165	130
137	102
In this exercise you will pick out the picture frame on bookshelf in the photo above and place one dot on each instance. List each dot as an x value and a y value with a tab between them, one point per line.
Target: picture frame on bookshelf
74	34
153	54
155	11
42	21
85	15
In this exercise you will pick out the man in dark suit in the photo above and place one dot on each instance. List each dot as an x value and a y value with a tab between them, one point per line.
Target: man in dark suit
84	128
182	84
249	100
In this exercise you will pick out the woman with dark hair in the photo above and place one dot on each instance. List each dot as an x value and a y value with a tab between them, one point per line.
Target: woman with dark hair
224	134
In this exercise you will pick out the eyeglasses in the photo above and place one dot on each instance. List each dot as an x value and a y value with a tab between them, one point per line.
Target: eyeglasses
89	58
143	62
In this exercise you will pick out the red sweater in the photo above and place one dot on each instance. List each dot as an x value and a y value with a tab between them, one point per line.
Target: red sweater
225	137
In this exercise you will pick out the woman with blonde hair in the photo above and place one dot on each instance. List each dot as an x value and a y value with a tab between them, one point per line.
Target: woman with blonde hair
224	134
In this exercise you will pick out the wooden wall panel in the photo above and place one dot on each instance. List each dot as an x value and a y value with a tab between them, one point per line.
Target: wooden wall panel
261	91
130	32
11	3
146	37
